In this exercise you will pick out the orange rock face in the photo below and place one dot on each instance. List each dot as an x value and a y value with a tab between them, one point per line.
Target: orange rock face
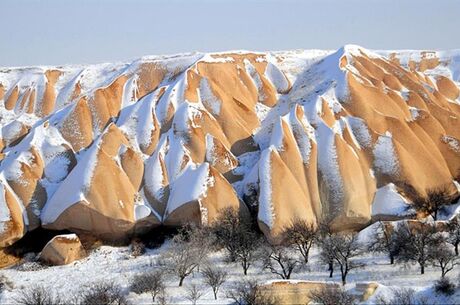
114	149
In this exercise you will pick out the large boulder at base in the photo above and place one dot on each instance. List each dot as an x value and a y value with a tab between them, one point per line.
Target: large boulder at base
62	250
295	292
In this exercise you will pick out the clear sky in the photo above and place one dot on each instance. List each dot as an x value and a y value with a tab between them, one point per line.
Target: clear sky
88	31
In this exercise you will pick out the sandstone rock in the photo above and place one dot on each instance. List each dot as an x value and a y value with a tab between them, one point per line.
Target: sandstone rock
62	250
295	292
106	149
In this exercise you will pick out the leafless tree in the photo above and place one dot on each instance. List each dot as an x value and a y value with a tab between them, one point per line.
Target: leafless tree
182	258
194	293
433	201
37	295
302	235
345	248
151	282
103	293
383	242
214	277
249	293
247	250
453	228
331	296
325	242
229	228
280	260
444	258
415	244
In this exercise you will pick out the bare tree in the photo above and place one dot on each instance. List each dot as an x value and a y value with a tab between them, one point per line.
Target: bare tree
151	282
444	258
453	228
182	258
229	228
383	242
249	293
325	242
163	298
280	260
194	293
302	235
214	277
103	293
247	250
38	295
331	296
433	201
415	244
345	247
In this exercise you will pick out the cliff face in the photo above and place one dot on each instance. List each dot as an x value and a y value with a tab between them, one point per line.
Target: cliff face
113	149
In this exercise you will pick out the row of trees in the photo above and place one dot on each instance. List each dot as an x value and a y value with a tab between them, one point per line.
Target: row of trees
245	246
423	244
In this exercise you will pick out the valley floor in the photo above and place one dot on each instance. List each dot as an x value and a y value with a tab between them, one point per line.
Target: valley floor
116	264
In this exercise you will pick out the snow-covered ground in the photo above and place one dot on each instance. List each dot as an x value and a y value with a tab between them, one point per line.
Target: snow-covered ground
117	265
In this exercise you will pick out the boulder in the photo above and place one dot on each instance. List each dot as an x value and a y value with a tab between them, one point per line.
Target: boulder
295	292
62	250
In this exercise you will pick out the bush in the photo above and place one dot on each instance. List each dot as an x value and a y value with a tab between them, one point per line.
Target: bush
5	283
403	296
37	295
137	248
331	296
151	282
249	293
103	293
194	293
444	286
31	266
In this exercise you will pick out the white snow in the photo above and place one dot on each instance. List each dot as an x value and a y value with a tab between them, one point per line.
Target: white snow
266	212
191	185
388	201
385	159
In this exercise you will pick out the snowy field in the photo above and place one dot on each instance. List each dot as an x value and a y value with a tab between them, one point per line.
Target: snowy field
116	264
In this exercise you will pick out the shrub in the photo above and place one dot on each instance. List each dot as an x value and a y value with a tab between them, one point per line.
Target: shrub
249	293
403	296
31	266
137	248
106	293
194	293
5	283
37	295
151	282
331	296
444	286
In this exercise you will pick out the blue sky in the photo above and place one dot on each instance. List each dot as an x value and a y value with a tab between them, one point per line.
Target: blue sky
88	31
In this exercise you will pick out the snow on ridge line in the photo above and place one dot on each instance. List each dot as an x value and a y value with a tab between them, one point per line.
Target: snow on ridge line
191	185
78	179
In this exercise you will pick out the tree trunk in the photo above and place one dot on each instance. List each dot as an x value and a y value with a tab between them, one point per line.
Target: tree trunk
215	294
392	259
331	269
344	279
456	249
422	269
181	280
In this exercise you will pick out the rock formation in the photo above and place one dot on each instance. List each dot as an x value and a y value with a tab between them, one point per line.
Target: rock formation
115	149
62	250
